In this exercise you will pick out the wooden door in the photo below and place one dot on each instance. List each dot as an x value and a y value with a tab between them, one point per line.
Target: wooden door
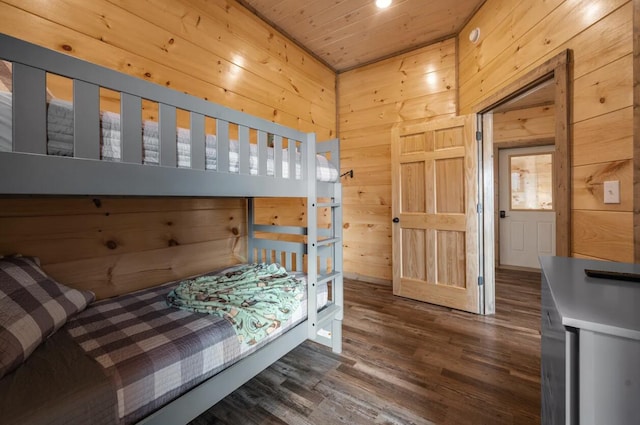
435	230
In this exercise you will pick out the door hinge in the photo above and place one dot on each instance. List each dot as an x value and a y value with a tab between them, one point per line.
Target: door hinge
479	208
478	135
480	280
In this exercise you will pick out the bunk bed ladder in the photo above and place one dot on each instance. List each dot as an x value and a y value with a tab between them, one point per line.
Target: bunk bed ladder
325	326
329	326
323	245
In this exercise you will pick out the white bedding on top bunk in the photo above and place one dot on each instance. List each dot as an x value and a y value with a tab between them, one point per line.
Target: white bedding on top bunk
60	142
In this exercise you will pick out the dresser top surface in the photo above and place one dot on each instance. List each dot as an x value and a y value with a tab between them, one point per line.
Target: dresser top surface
600	305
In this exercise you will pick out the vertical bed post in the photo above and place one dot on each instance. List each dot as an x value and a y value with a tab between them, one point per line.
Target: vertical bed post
198	142
312	234
29	109
336	262
86	120
250	231
168	140
131	123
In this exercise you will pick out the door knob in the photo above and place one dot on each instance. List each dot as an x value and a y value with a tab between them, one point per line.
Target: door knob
396	220
503	214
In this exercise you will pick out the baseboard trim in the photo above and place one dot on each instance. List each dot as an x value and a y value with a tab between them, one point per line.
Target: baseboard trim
368	279
519	268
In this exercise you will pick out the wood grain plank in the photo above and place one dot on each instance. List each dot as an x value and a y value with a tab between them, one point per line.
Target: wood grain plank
380	214
365	156
603	234
449	183
413	177
199	23
449	138
538	44
53	35
363	232
365	137
603	138
374	175
416	108
117	274
604	90
379	271
61	238
161	43
414	243
389	89
490	15
524	124
588	186
422	142
451	264
367	195
38	206
431	68
500	32
606	41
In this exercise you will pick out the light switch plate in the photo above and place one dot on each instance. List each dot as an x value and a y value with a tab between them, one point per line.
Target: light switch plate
612	192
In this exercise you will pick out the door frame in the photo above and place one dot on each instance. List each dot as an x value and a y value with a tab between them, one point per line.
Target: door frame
557	68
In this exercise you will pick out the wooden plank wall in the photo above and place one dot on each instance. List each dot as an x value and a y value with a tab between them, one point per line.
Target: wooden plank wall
412	87
215	50
114	245
517	36
524	126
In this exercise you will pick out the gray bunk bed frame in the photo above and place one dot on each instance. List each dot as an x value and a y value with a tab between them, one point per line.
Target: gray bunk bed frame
28	170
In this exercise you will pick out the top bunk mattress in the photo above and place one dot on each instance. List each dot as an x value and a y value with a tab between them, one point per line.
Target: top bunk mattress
60	142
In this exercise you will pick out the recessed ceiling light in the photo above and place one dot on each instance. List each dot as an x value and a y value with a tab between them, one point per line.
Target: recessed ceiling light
383	4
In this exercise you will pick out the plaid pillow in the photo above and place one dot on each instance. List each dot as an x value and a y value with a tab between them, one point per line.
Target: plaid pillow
32	307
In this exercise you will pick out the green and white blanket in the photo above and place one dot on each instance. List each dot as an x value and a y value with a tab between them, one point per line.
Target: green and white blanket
254	298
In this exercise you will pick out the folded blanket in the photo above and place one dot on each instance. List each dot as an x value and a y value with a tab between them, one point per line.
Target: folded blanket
60	127
110	135
59	147
254	298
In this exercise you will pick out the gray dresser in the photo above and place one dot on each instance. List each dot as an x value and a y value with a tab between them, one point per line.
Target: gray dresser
590	344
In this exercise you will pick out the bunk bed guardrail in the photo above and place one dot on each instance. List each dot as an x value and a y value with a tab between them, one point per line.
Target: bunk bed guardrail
30	65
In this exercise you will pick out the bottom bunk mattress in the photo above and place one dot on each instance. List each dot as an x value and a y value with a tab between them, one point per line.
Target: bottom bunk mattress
152	352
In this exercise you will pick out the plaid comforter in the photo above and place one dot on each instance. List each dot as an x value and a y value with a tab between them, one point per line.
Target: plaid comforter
154	352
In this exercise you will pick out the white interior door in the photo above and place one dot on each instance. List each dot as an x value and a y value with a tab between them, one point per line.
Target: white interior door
527	217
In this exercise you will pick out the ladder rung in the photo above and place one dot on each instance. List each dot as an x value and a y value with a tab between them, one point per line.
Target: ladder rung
328	241
327	277
326	315
328	204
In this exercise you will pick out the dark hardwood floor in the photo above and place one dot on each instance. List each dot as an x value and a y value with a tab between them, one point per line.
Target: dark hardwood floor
406	362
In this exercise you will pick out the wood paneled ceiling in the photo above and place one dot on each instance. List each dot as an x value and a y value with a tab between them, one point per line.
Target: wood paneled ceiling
345	34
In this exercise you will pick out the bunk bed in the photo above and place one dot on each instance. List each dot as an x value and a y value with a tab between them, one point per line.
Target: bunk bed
247	157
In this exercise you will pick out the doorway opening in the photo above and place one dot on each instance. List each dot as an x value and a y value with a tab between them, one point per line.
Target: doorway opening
526	219
531	113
